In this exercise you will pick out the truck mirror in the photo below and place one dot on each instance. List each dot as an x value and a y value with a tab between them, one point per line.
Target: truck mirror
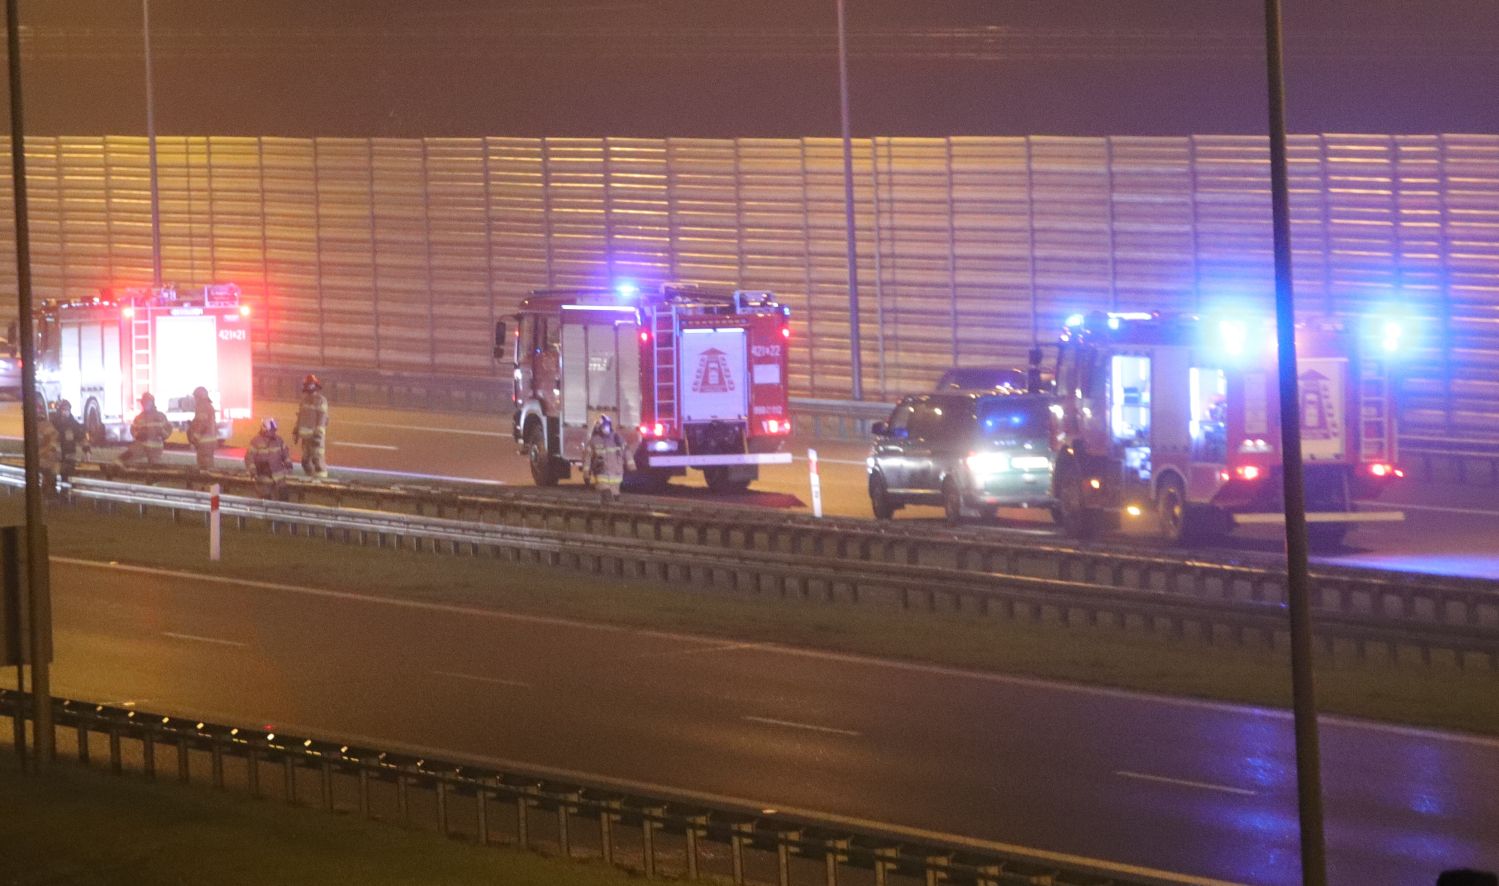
500	340
880	429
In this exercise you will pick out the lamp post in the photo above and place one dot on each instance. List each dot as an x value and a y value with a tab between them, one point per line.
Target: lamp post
151	148
855	355
1303	689
38	606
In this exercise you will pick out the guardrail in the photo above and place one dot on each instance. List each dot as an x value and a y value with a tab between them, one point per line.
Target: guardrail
655	834
728	559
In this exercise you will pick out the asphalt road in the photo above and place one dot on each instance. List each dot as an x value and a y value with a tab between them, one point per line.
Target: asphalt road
1195	788
1448	529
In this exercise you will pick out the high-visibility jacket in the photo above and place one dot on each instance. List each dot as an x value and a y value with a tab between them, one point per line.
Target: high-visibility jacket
71	434
267	454
151	428
205	424
312	415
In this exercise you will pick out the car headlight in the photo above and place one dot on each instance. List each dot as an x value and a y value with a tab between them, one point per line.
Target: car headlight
988	462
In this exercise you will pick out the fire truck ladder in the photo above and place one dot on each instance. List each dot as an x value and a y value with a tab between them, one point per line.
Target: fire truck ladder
664	348
1376	443
140	356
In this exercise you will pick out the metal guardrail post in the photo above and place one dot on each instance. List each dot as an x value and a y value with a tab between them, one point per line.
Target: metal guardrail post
566	805
608	816
481	816
741	833
886	861
252	770
148	751
835	852
83	734
184	764
326	774
696	826
935	868
116	764
441	789
403	801
650	821
364	791
216	759
289	774
784	839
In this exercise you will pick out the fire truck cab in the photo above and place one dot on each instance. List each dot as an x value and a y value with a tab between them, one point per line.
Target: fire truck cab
1177	418
103	352
690	377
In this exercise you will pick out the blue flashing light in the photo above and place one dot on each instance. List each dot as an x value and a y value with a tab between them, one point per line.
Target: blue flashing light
1234	335
626	289
785	310
1075	321
1390	335
1113	322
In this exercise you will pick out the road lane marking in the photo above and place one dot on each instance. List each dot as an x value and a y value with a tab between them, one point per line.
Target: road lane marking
427	428
414	475
497	681
722	647
791	724
778	649
340	444
1438	509
688	796
1206	786
197	639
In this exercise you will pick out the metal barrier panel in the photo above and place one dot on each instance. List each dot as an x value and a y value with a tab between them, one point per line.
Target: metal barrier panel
397	255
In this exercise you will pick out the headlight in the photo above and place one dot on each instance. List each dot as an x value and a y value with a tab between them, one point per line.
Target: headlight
988	462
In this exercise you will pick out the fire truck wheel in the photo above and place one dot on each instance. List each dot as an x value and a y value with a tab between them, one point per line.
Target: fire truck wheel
879	498
722	480
93	424
1326	536
1171	511
543	466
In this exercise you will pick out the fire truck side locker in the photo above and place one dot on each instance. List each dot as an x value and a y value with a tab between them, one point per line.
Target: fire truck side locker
600	374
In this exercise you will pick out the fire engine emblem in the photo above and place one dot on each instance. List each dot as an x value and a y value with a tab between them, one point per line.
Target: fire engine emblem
713	375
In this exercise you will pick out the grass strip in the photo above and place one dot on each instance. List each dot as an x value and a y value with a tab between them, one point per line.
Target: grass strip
1440	695
83	827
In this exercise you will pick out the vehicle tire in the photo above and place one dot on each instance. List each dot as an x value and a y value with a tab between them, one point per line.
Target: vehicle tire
1172	513
723	481
543	466
952	503
93	424
1074	518
879	498
1326	536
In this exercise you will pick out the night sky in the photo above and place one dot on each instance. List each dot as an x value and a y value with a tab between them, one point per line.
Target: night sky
716	68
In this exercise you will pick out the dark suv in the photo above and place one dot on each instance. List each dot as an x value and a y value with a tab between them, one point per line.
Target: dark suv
969	451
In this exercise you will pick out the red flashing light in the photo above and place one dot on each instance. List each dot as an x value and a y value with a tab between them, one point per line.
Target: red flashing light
1248	472
645	336
244	310
785	332
656	430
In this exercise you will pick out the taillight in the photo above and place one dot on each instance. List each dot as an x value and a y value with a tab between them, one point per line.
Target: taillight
778	426
1248	472
785	332
1381	470
656	430
645	336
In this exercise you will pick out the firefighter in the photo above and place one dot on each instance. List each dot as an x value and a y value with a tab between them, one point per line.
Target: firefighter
312	428
48	451
71	436
268	460
604	459
203	430
150	431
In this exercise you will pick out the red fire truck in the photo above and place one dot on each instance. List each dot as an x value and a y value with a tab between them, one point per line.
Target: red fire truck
1177	418
692	378
103	352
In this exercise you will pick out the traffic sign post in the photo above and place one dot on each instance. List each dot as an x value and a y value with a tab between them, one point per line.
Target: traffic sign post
816	482
213	523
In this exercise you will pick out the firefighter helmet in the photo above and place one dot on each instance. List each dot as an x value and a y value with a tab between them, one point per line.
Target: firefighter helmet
268	426
200	393
311	383
604	424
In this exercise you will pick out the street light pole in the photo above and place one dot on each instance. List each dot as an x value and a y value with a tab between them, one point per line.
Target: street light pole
1298	590
38	606
151	148
855	350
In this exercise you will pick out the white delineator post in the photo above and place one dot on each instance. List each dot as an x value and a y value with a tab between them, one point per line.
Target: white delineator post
213	522
816	483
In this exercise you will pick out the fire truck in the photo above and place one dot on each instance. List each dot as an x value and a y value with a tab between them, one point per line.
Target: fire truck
1178	418
691	377
103	352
